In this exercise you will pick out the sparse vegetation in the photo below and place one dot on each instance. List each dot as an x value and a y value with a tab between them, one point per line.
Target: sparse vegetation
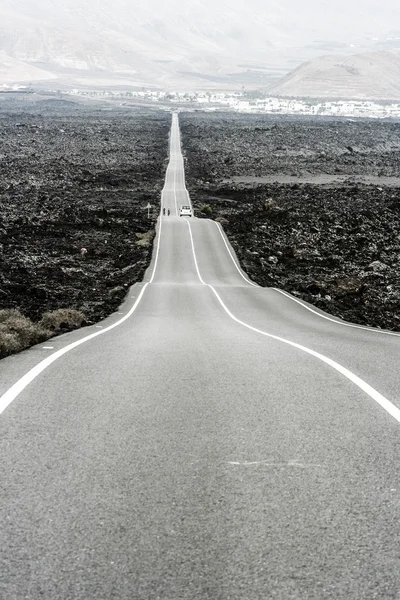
62	319
18	332
145	239
205	209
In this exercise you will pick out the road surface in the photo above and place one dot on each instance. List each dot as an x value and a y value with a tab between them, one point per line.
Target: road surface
213	440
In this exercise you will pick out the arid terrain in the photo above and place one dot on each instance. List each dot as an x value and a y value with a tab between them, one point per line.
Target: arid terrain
310	206
74	231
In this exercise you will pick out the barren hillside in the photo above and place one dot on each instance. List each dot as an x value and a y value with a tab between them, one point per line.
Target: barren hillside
180	44
373	75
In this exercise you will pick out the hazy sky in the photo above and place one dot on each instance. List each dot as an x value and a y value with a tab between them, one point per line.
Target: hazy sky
320	17
198	34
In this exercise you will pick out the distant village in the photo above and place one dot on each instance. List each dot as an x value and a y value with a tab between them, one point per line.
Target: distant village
243	102
252	103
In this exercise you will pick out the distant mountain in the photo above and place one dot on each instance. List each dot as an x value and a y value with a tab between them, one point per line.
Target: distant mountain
372	75
146	43
182	44
21	71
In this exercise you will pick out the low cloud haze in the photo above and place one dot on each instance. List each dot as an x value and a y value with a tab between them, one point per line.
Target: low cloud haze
181	42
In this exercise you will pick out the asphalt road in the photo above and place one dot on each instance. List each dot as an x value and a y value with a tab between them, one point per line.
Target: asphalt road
216	440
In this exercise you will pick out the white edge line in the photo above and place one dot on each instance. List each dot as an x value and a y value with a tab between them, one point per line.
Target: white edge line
353	325
168	167
176	204
360	383
175	121
344	324
21	384
183	167
231	255
370	329
155	260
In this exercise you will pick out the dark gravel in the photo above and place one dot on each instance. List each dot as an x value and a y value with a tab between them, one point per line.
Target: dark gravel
70	180
337	247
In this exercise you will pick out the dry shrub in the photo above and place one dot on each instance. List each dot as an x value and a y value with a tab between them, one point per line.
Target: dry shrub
222	221
18	332
62	318
9	313
116	291
9	343
206	209
145	239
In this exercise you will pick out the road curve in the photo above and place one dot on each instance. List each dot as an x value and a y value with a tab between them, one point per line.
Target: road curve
216	440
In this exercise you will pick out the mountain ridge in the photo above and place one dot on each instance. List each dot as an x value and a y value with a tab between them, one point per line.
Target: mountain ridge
201	41
179	44
369	75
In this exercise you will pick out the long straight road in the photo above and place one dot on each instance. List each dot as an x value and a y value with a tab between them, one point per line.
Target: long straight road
214	440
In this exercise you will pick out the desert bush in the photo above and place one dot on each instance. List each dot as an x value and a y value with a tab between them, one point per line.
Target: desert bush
206	209
145	239
117	290
8	313
9	343
62	318
17	332
222	221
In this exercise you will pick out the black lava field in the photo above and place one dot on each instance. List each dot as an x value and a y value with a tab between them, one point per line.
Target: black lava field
310	206
74	231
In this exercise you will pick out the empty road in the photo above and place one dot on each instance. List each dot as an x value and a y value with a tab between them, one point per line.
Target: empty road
213	440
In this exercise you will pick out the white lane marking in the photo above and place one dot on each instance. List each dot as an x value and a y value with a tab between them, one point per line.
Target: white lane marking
360	383
175	137
370	329
183	170
21	384
176	204
266	463
231	255
47	347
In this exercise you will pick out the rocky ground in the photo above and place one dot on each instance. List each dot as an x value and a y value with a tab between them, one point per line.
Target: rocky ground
74	232
335	245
